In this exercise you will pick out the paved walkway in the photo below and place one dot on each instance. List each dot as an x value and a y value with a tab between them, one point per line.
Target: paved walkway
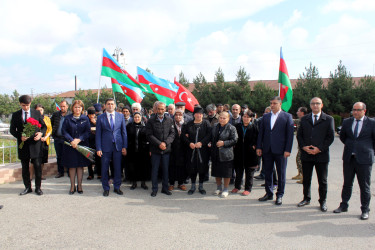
138	221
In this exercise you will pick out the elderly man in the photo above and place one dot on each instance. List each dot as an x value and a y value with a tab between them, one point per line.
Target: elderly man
171	109
236	117
136	107
358	135
315	134
160	133
212	117
187	117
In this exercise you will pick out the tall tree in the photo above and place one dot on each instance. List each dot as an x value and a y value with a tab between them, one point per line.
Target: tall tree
183	80
365	92
240	91
261	96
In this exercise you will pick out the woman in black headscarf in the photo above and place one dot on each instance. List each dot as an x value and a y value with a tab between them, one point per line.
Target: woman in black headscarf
138	158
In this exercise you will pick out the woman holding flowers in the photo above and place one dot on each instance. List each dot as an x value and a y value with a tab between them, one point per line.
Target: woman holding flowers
76	130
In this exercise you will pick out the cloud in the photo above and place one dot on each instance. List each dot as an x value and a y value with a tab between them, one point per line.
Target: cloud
349	5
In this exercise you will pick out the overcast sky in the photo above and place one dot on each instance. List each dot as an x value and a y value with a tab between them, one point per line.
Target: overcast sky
45	43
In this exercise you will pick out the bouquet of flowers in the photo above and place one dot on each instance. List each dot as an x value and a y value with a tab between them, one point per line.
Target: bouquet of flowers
87	152
30	128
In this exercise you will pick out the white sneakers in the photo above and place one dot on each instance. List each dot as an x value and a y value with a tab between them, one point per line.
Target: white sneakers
224	194
217	192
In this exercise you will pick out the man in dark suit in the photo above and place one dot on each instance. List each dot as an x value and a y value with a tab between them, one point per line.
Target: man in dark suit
160	134
358	135
31	150
315	134
111	143
275	141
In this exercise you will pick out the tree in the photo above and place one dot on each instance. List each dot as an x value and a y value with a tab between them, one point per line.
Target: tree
240	91
199	84
261	96
339	91
46	102
309	85
365	92
183	80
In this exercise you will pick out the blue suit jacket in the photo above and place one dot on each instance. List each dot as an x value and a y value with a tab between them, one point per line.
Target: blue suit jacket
280	138
363	145
105	135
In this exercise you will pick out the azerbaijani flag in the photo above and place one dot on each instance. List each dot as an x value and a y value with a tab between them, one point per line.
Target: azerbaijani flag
285	88
164	90
132	94
111	68
57	107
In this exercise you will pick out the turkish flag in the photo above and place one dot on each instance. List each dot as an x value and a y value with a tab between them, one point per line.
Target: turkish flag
184	95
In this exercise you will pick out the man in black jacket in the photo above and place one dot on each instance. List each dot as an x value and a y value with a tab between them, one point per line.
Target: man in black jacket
160	134
31	149
358	135
315	134
57	120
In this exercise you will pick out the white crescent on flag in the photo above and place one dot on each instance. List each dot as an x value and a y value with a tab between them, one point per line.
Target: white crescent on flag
181	94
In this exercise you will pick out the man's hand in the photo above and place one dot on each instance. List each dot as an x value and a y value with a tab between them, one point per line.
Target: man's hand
286	154
192	145
24	138
99	153
38	136
123	151
163	146
219	143
307	149
198	145
315	150
259	152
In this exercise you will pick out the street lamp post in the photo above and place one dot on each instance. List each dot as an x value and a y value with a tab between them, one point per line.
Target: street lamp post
118	54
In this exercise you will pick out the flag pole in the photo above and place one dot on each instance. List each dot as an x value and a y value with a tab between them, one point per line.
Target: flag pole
100	77
279	70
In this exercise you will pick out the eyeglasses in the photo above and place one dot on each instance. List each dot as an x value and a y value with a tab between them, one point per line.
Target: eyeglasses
357	110
315	103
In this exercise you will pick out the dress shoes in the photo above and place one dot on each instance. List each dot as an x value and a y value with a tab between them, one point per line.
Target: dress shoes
133	186
364	216
323	206
340	210
38	191
154	193
144	186
167	192
59	175
266	197
26	191
279	201
191	191
118	191
202	191
106	193
303	203
259	177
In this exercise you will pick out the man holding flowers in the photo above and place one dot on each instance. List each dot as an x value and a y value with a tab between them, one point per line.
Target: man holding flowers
28	127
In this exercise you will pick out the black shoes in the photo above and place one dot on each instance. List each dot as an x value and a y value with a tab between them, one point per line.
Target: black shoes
303	203
266	197
340	210
167	192
59	175
106	193
364	216
26	191
259	177
323	206
72	192
202	191
153	194
191	191
144	186
38	191
279	201
118	191
134	186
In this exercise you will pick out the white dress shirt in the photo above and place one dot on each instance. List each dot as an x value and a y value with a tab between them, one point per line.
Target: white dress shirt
359	125
313	116
274	117
23	114
109	118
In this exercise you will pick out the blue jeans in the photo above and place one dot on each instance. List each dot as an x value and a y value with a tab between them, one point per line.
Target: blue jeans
156	159
59	144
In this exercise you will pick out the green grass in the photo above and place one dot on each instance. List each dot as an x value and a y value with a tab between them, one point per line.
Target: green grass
10	154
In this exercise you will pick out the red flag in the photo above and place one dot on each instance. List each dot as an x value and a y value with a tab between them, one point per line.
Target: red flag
184	95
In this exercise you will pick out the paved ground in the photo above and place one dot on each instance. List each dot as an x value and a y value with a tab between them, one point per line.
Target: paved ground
138	221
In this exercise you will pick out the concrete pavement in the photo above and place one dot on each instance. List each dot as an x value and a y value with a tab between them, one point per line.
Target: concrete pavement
57	220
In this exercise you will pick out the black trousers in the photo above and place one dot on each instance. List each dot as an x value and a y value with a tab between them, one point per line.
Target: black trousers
363	172
321	169
26	172
249	177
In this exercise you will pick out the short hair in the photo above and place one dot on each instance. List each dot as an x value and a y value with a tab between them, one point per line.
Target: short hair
109	100
172	105
316	98
26	99
179	111
236	105
161	103
249	113
226	106
38	106
137	105
211	107
125	107
303	109
276	98
225	113
65	102
156	103
78	102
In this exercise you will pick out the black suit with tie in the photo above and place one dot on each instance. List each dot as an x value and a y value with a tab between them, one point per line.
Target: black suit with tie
31	149
358	158
319	134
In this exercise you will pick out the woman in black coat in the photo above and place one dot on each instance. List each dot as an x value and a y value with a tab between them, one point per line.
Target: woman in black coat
177	161
197	136
138	158
245	157
224	137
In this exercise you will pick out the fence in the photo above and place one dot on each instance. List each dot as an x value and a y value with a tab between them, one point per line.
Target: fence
9	153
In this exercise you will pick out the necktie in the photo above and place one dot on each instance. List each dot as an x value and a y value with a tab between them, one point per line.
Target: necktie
315	119
356	129
26	117
111	121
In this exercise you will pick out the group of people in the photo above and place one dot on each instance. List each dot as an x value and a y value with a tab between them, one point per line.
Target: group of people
136	145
